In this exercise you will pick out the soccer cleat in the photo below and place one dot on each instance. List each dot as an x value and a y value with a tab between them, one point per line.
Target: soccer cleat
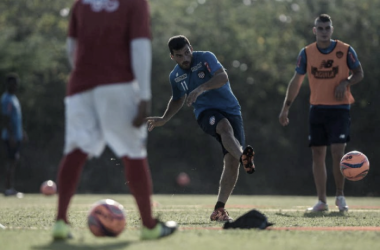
61	231
220	215
159	231
319	207
246	159
340	202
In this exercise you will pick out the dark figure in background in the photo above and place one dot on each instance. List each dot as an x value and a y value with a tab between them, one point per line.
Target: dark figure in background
12	132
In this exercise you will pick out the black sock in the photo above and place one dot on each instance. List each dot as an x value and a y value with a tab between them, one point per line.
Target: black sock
219	205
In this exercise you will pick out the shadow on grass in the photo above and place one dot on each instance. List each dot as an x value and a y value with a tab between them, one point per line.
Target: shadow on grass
324	214
199	223
64	245
285	215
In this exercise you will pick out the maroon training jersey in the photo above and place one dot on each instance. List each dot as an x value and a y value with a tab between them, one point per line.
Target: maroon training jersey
104	30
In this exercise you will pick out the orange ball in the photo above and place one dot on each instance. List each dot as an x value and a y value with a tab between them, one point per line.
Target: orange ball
354	165
106	218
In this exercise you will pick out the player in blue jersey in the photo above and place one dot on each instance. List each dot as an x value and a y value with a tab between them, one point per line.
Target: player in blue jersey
12	132
332	67
201	81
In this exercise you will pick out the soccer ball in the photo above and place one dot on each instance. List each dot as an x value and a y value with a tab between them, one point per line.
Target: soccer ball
183	179
106	218
48	188
354	166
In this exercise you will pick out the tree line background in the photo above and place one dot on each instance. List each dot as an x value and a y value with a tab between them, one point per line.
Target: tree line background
257	41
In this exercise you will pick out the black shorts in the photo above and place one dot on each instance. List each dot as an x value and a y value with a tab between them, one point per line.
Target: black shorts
329	126
209	118
13	153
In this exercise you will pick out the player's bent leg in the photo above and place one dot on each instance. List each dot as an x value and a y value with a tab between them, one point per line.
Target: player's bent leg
229	142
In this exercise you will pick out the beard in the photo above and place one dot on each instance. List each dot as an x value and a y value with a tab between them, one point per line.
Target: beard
185	65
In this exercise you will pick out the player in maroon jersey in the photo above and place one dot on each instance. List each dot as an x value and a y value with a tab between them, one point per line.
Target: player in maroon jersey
108	98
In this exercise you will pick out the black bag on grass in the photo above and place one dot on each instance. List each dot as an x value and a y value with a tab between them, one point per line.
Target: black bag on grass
251	219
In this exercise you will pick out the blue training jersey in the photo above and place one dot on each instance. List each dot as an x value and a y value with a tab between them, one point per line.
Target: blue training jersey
203	66
10	106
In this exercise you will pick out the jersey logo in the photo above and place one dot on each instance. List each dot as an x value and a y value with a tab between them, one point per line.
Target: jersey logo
339	54
326	64
201	74
184	86
207	66
196	67
99	5
180	78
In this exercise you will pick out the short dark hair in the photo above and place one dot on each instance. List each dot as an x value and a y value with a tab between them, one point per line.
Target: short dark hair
323	18
177	42
12	77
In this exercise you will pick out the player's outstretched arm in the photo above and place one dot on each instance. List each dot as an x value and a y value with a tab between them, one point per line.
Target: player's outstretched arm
291	94
173	107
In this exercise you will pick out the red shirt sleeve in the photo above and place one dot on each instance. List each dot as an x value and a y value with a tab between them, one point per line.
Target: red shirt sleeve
140	20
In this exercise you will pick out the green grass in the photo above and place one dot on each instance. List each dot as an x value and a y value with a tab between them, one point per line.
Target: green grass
28	223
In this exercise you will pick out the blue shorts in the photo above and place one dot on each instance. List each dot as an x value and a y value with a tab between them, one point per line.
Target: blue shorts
13	153
329	126
209	118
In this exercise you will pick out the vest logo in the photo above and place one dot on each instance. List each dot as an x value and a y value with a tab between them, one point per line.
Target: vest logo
324	74
201	74
339	54
326	64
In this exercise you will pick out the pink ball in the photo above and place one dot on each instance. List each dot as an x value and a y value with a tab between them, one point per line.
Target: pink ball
48	188
183	179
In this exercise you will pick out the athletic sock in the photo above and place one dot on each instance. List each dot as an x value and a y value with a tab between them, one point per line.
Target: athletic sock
69	172
139	181
219	205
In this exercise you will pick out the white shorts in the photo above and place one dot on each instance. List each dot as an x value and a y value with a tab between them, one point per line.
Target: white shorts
103	116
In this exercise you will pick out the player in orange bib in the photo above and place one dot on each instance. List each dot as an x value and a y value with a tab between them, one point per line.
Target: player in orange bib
332	67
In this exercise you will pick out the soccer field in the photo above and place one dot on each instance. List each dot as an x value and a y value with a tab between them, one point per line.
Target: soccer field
28	222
